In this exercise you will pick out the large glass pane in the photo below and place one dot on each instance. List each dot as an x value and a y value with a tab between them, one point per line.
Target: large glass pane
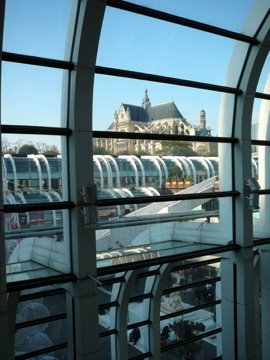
138	311
228	14
36	244
107	319
184	327
32	95
39	28
179	52
47	332
32	168
150	241
140	106
189	297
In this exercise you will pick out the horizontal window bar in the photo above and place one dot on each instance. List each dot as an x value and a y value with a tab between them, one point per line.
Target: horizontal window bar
190	310
36	130
45	281
260	95
108	305
108	270
17	234
35	60
42	294
260	142
191	285
43	320
119	279
108	333
155	219
140	297
191	340
161	198
260	242
112	280
165	80
148	274
138	324
19	208
262	192
142	356
153	136
33	354
160	15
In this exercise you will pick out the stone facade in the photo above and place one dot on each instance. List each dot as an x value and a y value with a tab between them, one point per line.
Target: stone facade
160	119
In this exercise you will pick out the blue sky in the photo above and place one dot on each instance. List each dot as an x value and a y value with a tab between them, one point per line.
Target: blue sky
32	95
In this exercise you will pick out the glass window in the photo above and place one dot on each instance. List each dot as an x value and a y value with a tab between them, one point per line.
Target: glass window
138	341
39	28
179	52
229	15
107	348
36	244
32	95
32	169
47	332
150	105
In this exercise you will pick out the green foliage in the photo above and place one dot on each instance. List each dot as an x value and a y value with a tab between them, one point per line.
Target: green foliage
100	151
27	149
51	151
185	329
176	148
176	173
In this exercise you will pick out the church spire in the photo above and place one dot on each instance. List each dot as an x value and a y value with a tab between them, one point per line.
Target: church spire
146	101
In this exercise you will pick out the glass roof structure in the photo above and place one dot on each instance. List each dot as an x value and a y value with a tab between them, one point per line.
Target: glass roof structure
130	237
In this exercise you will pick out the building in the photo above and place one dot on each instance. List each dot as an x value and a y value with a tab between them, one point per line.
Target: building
158	119
167	277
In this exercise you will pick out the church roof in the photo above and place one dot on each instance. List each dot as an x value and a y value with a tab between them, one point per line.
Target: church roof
164	111
157	112
137	113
